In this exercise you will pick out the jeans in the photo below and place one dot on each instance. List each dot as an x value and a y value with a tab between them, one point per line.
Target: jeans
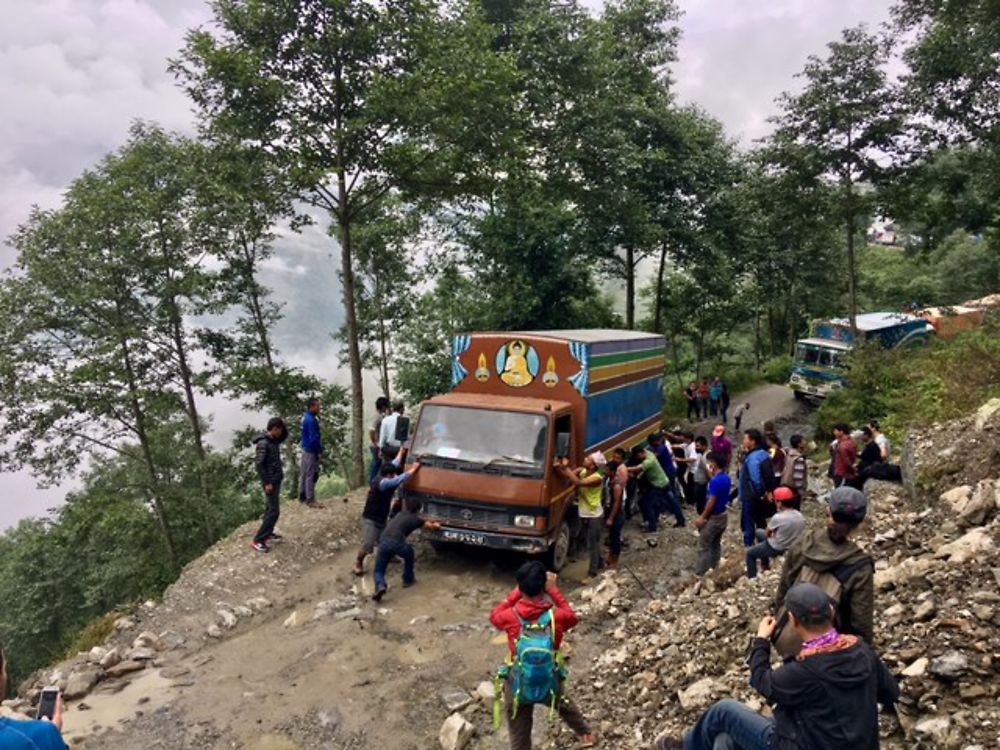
729	725
388	550
714	405
700	496
669	504
376	466
724	411
692	408
272	509
710	543
308	474
649	505
763	552
615	534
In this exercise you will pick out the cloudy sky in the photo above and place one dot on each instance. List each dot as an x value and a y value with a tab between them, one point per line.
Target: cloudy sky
75	73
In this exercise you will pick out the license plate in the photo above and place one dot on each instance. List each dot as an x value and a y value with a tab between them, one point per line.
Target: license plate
463	537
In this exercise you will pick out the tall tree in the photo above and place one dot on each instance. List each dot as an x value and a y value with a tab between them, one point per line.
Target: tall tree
844	122
329	90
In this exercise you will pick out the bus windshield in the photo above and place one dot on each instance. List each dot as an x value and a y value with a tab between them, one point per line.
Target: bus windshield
810	354
482	436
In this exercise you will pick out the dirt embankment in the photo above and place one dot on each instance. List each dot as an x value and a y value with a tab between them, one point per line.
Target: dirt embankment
286	651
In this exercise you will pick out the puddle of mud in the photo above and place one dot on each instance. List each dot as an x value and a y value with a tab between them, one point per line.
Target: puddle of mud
147	692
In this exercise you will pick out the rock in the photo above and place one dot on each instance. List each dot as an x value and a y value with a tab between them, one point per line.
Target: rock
455	700
935	727
985	412
334	607
925	610
171	640
982	505
213	631
485	691
697	695
983	612
421	620
601	595
149	640
894	615
330	719
141	654
81	682
455	733
258	604
967	547
243	613
124	623
291	621
96	654
950	666
917	668
957	497
912	567
227	618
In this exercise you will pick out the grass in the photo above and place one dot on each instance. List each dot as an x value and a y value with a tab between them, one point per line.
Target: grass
96	633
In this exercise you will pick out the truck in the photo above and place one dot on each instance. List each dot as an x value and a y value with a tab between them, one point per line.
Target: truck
519	401
818	366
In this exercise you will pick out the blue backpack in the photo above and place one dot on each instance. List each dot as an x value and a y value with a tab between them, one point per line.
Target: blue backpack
536	671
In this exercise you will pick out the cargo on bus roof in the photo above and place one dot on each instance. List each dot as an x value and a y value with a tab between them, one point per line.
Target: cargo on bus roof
876	321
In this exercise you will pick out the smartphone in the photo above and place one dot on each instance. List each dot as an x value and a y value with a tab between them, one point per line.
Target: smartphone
47	703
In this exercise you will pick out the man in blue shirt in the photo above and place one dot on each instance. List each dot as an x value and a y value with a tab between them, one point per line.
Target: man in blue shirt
756	482
29	735
312	447
711	524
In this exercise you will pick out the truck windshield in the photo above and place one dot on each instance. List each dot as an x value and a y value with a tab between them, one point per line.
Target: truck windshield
482	436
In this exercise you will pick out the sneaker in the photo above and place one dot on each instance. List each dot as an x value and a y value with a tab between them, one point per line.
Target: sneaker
667	742
275	537
260	546
313	504
588	740
358	571
379	593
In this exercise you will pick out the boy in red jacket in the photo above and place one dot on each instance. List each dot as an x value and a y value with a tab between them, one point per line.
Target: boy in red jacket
536	593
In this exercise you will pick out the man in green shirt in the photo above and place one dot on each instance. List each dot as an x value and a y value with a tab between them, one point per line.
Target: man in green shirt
654	499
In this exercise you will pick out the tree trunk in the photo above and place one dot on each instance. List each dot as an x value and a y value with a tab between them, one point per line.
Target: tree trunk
383	337
658	301
139	416
756	335
852	292
356	477
629	287
198	440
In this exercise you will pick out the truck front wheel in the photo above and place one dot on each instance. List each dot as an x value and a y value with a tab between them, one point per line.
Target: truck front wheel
558	553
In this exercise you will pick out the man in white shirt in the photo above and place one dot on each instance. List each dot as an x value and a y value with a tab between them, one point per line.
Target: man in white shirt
389	441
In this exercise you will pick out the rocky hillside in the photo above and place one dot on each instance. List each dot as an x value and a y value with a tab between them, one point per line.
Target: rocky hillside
286	651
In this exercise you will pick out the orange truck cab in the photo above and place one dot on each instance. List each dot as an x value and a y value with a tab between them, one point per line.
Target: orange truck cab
519	401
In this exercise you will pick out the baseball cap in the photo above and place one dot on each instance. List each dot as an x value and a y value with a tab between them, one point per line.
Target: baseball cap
809	603
598	458
848	504
719	431
784	494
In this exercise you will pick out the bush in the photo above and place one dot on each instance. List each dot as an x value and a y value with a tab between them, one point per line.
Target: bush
778	369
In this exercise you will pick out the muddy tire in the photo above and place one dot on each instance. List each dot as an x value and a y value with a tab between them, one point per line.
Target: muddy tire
558	553
799	395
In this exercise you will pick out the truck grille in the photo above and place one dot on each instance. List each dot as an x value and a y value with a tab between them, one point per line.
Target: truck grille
466	515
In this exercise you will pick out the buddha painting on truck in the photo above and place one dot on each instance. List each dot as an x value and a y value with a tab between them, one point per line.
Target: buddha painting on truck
516	369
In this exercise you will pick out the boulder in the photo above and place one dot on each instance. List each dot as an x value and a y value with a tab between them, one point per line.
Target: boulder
334	607
111	658
957	497
917	668
950	665
171	640
124	623
258	604
985	413
81	682
149	640
213	631
125	667
697	695
227	618
933	727
981	505
291	621
925	610
486	691
141	654
242	612
967	547
455	700
96	654
455	733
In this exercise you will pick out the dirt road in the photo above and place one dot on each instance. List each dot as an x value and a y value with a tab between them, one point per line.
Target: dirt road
311	662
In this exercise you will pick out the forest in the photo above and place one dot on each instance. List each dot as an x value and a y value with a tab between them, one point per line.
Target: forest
500	164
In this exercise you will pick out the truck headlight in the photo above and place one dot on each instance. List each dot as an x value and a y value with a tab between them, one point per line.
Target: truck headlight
524	522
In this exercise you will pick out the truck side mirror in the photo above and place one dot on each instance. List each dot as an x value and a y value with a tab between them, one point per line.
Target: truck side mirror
562	444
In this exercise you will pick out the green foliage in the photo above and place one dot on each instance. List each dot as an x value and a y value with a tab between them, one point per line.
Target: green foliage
95	633
778	369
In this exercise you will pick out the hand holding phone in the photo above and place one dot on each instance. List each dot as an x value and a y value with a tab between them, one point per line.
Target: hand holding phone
50	706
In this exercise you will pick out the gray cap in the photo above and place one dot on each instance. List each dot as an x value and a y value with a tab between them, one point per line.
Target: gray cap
809	603
848	504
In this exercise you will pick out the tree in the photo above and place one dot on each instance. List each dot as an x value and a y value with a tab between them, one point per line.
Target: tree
844	123
343	95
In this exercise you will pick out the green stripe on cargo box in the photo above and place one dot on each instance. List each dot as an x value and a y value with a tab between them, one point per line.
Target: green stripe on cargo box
603	360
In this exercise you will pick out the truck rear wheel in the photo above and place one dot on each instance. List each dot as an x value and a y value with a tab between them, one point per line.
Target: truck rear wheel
799	395
558	553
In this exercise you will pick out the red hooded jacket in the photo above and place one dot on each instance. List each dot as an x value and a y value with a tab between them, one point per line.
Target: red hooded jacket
505	616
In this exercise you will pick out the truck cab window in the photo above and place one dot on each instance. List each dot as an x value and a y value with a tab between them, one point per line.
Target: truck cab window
564	426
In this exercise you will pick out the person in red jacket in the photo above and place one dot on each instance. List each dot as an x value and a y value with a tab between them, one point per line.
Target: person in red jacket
536	593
